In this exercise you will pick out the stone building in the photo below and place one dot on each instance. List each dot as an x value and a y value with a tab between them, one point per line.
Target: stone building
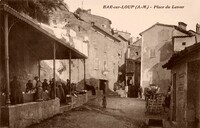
157	48
106	49
185	95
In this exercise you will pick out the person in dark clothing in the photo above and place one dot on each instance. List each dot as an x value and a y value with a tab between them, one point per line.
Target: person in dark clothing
39	91
45	85
60	91
140	92
168	98
104	102
67	87
129	81
16	91
89	87
29	86
52	91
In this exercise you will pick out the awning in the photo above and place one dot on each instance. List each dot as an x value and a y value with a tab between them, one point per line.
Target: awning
38	39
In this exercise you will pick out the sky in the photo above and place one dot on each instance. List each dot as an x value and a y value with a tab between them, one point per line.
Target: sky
135	20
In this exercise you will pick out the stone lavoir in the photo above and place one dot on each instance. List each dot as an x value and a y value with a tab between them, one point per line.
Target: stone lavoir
24	46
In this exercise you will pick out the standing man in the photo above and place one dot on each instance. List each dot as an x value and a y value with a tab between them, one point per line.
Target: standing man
45	85
16	91
39	90
129	84
129	81
140	92
104	103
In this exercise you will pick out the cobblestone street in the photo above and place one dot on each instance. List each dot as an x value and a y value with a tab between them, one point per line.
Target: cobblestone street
120	113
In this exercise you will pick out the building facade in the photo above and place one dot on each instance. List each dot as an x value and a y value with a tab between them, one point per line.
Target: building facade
106	50
157	48
185	70
184	66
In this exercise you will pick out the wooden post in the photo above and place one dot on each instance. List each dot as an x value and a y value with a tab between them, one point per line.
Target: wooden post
7	59
54	68
39	66
70	56
125	73
84	74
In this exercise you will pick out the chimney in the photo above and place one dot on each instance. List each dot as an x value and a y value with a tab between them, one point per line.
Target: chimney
182	25
198	28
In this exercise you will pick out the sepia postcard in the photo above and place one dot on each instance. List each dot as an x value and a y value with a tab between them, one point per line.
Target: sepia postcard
99	63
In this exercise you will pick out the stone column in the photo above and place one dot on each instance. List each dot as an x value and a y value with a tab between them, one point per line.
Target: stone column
6	32
70	56
84	74
54	68
39	67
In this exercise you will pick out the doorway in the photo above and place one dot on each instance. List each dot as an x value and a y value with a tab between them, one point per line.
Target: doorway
103	85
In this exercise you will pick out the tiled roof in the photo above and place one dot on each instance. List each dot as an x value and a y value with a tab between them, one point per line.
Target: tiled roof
106	32
174	26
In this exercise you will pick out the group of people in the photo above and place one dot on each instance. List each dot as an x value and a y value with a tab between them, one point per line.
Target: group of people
153	90
150	91
37	88
127	90
121	89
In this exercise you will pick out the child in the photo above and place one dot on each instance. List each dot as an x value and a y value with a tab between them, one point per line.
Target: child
104	103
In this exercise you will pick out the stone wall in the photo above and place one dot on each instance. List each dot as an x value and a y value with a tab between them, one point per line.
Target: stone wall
104	52
134	52
180	93
181	43
22	115
187	91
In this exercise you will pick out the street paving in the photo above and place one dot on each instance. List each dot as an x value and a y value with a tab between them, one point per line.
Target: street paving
120	113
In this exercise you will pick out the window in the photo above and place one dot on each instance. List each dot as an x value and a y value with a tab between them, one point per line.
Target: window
105	66
92	23
119	55
152	53
183	43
